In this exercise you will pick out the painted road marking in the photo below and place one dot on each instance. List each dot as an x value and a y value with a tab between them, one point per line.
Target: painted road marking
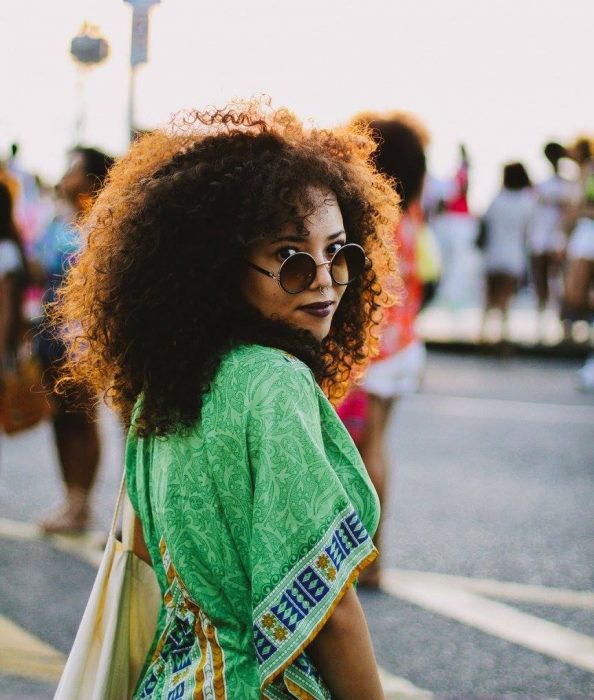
525	411
89	548
456	597
396	688
24	655
506	590
495	618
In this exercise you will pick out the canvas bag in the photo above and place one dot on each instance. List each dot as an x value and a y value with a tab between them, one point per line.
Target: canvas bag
119	621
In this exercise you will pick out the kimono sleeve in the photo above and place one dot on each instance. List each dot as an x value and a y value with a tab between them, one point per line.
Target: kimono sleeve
307	542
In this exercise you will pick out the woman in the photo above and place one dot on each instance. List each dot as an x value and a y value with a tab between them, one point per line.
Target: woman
232	273
546	240
580	248
74	421
13	277
579	275
398	370
506	225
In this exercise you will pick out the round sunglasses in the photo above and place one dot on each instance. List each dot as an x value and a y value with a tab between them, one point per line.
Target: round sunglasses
299	270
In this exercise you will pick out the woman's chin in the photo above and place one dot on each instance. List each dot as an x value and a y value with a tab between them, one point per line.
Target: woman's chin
319	330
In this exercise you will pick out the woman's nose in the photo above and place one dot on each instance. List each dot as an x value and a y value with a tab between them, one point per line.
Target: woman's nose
323	277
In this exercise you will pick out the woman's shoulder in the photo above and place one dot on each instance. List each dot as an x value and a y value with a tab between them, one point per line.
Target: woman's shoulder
255	366
262	355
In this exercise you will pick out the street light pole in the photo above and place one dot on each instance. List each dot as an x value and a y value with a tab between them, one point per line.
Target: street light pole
131	101
88	48
138	52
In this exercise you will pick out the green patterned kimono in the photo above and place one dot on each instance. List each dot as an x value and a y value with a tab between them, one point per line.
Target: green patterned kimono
257	520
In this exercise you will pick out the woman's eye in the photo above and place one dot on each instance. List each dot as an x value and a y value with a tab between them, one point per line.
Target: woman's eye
285	253
335	247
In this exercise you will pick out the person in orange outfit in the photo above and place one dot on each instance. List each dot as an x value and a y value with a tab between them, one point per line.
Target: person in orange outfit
398	369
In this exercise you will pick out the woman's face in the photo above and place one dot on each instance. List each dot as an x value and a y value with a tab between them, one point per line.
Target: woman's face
313	308
74	182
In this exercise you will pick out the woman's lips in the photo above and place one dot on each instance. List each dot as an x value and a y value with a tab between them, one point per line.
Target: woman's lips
321	309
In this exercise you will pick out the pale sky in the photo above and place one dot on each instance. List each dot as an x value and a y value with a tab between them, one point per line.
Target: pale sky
503	76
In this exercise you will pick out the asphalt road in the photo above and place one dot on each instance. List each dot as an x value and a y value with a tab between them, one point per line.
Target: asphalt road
488	590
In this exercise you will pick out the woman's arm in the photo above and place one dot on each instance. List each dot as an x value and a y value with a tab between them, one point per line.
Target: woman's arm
342	652
6	305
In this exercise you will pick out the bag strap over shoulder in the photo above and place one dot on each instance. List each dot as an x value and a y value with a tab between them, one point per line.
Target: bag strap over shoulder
118	507
124	509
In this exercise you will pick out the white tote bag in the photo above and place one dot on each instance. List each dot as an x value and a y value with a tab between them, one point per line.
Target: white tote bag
119	622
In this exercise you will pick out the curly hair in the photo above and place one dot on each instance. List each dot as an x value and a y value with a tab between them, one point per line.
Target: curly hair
153	301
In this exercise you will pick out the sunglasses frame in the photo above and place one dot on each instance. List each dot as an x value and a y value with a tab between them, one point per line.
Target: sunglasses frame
277	276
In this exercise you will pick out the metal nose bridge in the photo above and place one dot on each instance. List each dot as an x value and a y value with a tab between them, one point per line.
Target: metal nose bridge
327	264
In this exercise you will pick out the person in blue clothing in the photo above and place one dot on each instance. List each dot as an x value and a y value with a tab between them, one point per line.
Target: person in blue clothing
74	426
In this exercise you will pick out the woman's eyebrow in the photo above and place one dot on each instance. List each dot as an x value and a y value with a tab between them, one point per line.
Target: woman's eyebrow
300	239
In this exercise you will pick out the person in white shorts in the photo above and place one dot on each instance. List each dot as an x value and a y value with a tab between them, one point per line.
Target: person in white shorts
398	370
398	375
546	238
580	248
579	277
506	224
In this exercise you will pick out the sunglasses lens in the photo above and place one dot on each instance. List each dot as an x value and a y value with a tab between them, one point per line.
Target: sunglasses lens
297	273
347	264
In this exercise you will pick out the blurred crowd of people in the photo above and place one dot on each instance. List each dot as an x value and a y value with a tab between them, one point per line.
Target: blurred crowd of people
542	233
538	236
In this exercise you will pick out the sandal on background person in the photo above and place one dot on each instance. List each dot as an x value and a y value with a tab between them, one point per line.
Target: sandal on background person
70	518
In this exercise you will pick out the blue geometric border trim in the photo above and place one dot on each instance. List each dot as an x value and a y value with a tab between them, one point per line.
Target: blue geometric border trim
285	619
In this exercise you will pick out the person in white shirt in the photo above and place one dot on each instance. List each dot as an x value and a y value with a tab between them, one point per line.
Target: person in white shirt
506	223
579	275
546	238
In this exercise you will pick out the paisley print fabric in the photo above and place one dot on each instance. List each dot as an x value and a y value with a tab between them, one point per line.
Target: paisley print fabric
257	520
188	660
